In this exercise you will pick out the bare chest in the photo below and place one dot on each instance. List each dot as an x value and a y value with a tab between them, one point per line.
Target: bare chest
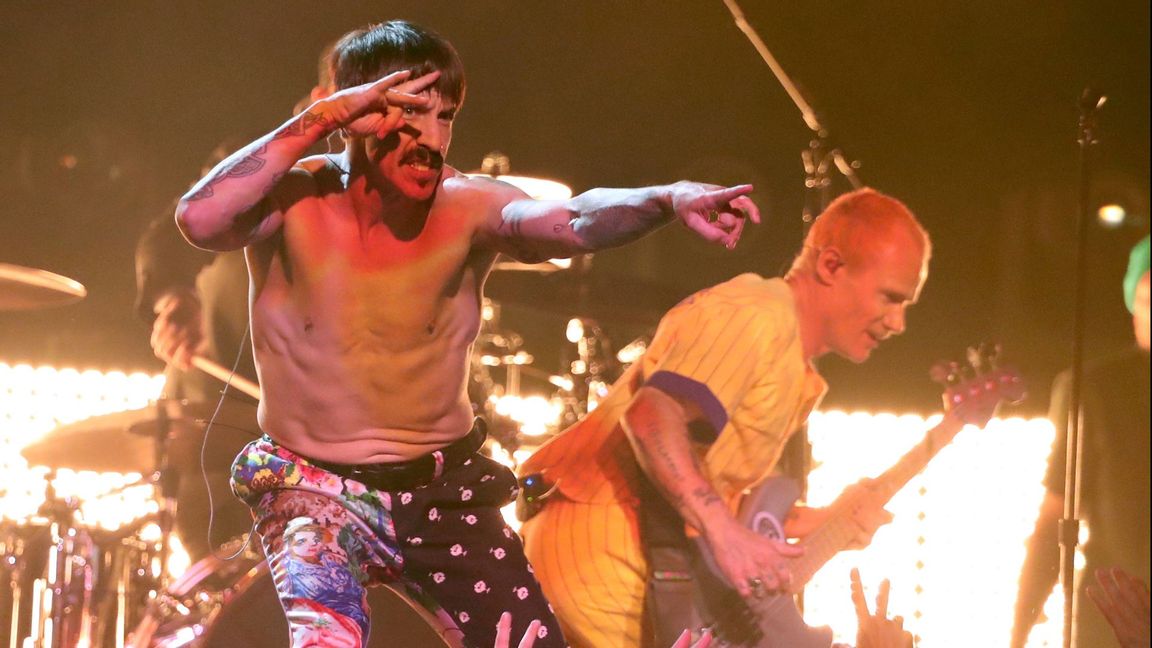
381	285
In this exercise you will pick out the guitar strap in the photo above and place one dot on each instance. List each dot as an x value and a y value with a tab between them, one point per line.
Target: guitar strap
670	604
682	592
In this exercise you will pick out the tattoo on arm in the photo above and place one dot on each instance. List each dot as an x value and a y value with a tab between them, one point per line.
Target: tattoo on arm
611	226
300	126
253	162
673	473
238	168
511	226
706	495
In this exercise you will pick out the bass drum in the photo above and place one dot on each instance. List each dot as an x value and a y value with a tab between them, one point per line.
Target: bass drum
221	603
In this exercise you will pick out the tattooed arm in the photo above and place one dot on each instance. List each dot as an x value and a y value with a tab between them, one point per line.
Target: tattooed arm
657	426
534	230
242	200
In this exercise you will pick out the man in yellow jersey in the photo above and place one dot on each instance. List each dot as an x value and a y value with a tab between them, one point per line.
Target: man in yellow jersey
706	413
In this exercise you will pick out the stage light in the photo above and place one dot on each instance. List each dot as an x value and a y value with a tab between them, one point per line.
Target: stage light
575	330
1112	215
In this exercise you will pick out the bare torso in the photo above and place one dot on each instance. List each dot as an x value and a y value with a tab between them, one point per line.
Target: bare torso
363	331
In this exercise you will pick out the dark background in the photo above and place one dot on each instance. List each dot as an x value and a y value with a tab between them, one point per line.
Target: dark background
965	110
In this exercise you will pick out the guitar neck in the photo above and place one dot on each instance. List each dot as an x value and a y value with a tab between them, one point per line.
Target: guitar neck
837	533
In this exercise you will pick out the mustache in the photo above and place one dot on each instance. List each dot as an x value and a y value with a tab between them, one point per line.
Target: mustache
426	156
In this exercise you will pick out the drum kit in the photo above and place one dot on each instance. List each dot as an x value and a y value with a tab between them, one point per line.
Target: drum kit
68	583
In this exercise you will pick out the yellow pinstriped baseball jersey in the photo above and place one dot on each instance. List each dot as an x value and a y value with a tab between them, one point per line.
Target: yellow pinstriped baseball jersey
734	350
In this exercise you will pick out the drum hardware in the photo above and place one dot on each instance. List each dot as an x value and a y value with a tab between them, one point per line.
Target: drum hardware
60	612
225	604
617	300
633	351
595	366
124	442
96	583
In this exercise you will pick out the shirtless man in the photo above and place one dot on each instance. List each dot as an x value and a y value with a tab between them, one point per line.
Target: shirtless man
366	275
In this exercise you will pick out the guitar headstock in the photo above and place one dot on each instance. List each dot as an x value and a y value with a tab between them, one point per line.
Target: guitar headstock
975	388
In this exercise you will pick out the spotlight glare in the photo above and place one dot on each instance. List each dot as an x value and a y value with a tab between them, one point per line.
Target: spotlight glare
1112	215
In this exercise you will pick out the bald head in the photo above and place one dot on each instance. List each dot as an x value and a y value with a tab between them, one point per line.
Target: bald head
862	225
864	262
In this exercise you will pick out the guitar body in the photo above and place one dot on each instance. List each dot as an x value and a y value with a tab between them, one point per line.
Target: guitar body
773	621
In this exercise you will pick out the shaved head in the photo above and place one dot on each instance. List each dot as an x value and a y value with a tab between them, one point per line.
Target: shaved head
864	262
862	225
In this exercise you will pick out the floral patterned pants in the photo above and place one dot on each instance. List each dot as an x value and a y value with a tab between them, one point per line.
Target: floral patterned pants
444	543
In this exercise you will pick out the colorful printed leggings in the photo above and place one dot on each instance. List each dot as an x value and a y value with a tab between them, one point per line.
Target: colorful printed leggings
328	537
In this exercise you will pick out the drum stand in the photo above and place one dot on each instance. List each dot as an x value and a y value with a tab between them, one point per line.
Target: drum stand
13	546
167	480
60	619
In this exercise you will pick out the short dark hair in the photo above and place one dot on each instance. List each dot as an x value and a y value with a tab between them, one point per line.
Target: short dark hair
370	53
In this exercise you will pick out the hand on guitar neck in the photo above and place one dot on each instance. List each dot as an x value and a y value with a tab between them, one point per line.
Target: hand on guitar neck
972	393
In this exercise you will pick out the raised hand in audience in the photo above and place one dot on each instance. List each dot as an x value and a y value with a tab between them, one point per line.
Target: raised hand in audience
1123	599
876	630
504	635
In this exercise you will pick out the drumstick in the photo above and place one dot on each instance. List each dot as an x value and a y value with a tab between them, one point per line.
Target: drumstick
229	377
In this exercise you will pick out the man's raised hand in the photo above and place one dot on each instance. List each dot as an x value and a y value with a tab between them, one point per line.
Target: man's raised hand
377	108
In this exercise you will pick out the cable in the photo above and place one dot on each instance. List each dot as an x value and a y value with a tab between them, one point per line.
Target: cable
204	452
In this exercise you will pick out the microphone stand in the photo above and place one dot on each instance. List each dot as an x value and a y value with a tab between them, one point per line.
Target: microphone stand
1069	535
821	154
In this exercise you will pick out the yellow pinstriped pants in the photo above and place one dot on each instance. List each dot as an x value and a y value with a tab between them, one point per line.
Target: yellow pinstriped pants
591	566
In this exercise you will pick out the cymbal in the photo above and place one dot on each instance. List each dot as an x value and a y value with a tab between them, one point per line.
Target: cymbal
126	441
24	288
608	299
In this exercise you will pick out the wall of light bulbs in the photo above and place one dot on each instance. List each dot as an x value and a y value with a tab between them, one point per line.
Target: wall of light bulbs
954	550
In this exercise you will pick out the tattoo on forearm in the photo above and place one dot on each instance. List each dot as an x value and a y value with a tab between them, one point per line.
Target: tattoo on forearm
274	181
607	228
300	126
673	475
706	495
238	168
